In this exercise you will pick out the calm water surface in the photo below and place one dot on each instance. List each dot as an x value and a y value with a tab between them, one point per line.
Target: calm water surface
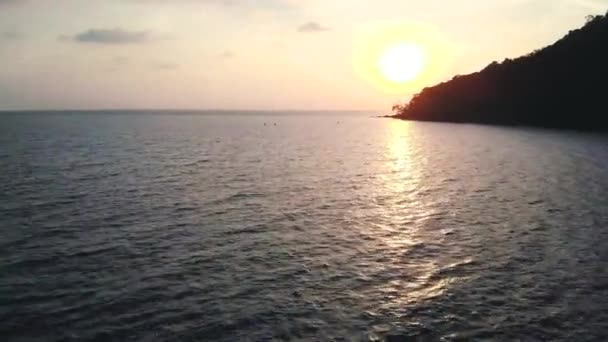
323	227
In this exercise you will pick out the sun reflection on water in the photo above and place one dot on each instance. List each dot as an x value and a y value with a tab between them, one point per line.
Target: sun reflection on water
408	238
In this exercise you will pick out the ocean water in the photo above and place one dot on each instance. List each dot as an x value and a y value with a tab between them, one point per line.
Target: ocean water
299	226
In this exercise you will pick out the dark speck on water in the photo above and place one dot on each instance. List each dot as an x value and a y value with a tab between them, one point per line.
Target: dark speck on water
208	227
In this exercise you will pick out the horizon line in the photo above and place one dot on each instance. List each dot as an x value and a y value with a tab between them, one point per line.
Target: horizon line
181	110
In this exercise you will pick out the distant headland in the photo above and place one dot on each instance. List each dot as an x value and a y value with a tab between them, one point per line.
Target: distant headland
564	85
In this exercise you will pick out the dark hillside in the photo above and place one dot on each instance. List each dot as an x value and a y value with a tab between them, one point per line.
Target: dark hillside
563	85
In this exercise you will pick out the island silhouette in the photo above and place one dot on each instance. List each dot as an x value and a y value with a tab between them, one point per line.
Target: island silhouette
560	86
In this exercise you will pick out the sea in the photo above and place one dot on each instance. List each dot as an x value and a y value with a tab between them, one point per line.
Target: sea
298	226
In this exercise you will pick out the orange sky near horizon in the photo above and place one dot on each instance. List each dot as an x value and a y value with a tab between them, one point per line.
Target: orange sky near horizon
267	54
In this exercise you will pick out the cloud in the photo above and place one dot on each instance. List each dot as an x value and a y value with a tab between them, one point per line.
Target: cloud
227	54
312	27
599	5
110	36
121	60
275	4
10	34
117	63
10	2
164	66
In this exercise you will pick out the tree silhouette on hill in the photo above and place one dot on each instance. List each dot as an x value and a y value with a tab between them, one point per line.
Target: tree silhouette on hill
564	85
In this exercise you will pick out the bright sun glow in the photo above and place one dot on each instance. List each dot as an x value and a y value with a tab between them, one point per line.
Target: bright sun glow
401	58
401	63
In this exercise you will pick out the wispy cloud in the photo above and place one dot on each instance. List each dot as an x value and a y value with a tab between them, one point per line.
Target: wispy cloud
121	60
263	4
10	2
164	66
599	5
228	54
118	63
312	27
110	36
11	34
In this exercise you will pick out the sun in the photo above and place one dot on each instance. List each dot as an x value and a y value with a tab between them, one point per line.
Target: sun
403	57
401	63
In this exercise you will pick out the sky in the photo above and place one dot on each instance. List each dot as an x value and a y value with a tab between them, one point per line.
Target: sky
264	54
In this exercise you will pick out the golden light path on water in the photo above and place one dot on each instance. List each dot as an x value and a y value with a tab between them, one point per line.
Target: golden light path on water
416	249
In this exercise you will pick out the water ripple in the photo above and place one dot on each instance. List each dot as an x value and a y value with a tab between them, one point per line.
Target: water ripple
220	228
